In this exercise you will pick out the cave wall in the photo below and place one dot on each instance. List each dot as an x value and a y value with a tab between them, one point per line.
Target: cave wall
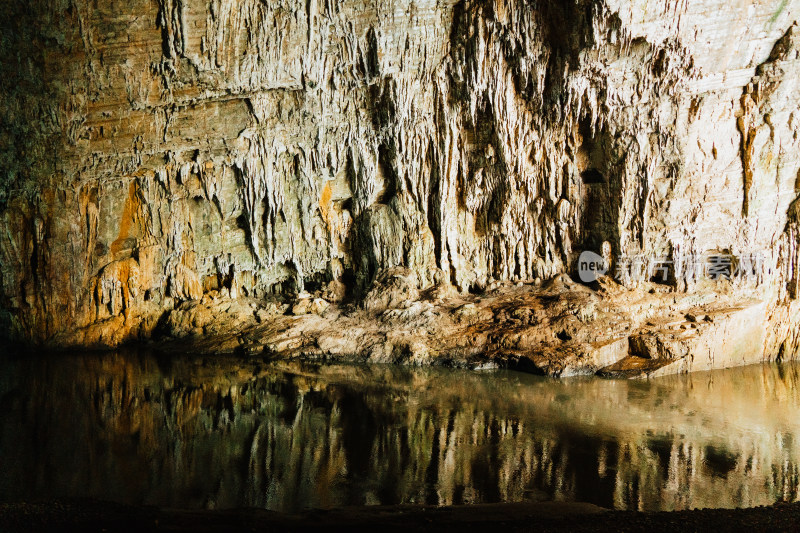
157	150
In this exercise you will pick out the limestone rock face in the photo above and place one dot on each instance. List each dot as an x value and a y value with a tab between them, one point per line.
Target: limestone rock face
156	153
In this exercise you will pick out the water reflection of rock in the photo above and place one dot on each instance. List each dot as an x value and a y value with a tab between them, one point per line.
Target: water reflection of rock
227	433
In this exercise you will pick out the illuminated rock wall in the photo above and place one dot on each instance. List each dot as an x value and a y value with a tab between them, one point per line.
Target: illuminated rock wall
154	152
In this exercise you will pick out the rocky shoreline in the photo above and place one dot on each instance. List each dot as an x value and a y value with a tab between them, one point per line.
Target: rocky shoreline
559	328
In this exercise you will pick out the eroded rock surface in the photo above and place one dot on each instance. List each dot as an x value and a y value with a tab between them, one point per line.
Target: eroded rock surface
561	328
228	172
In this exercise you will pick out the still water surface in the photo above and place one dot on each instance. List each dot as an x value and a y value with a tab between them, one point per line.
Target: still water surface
221	433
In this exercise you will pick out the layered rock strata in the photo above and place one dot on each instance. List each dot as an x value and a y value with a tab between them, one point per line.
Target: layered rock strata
168	157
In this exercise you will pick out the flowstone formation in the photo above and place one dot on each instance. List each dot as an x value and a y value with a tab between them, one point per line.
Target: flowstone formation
209	170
